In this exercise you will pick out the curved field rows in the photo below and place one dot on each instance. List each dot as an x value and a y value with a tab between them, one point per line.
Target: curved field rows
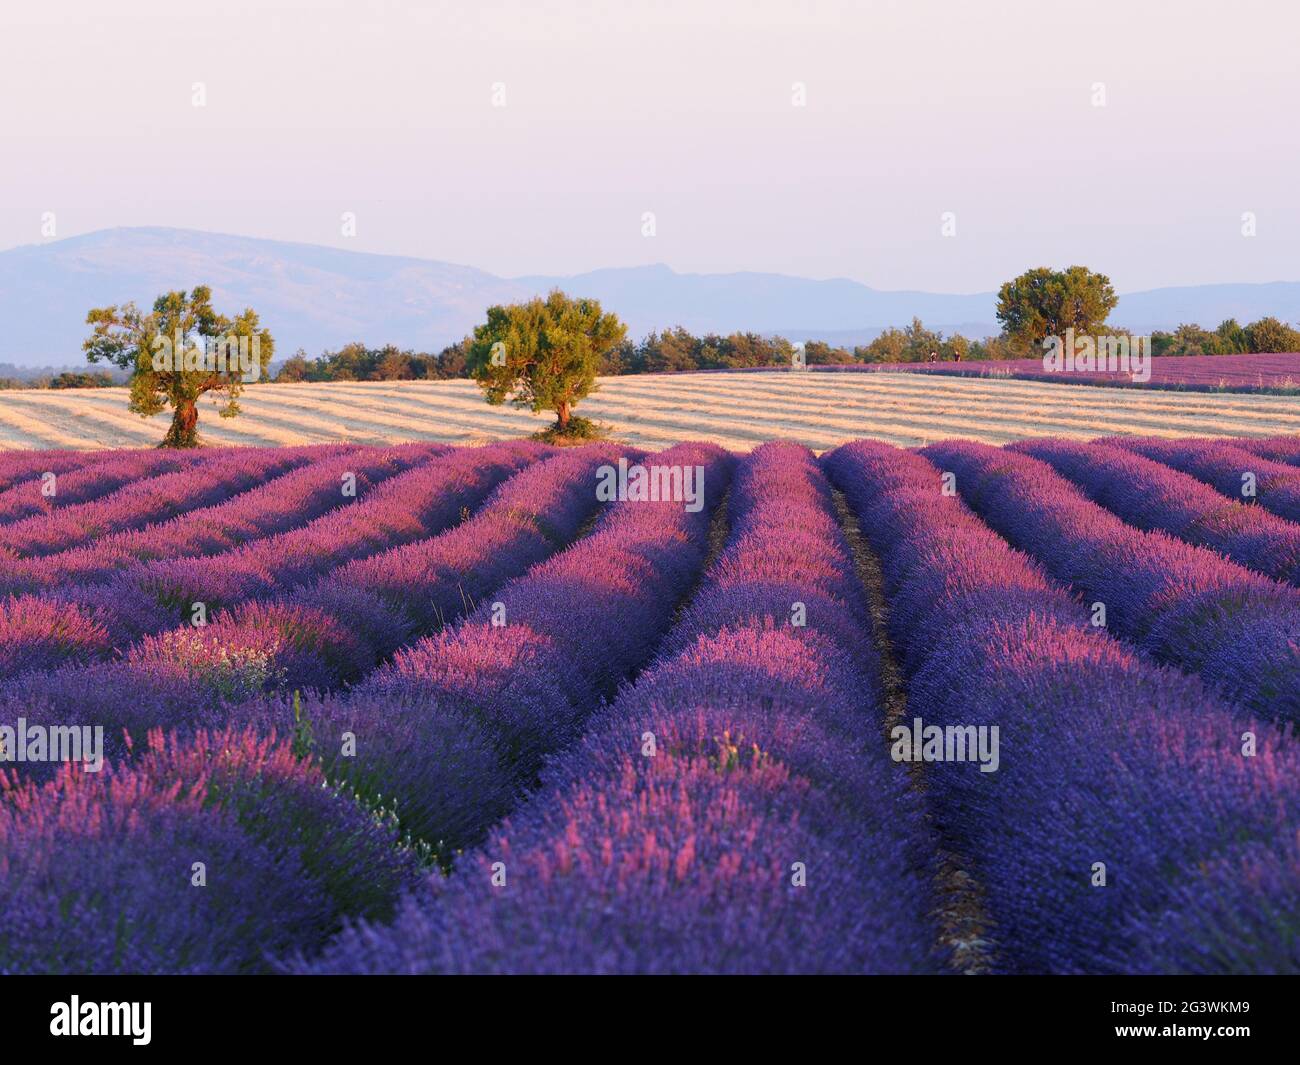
737	411
661	717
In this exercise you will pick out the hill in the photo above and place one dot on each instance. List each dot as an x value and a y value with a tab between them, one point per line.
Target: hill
317	297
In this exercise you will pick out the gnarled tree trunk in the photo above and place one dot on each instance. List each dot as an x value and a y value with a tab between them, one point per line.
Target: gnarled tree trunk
184	431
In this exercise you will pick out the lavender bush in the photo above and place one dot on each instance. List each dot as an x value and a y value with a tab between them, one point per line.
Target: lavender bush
1153	496
1183	604
1105	757
767	832
1225	465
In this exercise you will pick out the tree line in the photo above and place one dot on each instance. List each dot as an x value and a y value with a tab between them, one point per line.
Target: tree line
1039	303
58	379
678	349
356	362
546	353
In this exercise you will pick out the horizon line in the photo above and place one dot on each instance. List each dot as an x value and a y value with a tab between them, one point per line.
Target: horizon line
598	269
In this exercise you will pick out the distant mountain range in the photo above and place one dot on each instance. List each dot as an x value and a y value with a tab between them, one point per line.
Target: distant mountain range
320	298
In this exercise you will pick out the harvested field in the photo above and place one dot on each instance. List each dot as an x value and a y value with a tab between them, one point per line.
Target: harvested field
737	411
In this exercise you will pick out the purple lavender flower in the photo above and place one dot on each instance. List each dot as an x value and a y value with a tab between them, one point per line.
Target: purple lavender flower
1181	603
1110	767
205	856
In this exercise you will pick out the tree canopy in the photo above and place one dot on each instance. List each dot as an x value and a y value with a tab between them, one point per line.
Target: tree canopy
1043	302
179	351
544	354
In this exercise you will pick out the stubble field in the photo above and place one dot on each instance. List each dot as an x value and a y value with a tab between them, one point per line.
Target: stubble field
735	411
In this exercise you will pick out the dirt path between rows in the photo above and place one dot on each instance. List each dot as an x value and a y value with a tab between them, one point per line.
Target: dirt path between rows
963	921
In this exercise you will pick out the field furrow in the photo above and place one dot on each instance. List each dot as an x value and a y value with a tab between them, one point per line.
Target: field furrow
1151	496
1122	869
505	709
144	501
1183	604
159	612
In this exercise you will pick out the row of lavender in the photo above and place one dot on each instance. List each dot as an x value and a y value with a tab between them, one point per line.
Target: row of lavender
734	810
1182	603
308	630
278	504
102	872
256	545
1137	823
450	735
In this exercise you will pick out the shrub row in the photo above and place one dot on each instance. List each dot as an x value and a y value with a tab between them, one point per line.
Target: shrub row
151	499
413	496
280	504
764	831
336	630
1226	466
19	467
1185	605
1277	448
1106	760
87	478
1153	496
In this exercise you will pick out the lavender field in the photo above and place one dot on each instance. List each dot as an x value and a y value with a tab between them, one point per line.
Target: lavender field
1266	373
421	708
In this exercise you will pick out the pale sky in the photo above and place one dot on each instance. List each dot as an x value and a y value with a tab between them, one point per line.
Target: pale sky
684	109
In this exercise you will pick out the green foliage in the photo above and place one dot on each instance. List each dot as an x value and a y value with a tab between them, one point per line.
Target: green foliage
356	362
579	431
1266	336
543	354
64	379
819	353
1269	335
676	350
1190	340
914	344
304	738
163	350
890	346
69	379
1001	348
956	347
1232	338
1043	302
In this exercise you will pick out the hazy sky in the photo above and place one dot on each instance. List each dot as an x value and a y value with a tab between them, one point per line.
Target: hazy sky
684	109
